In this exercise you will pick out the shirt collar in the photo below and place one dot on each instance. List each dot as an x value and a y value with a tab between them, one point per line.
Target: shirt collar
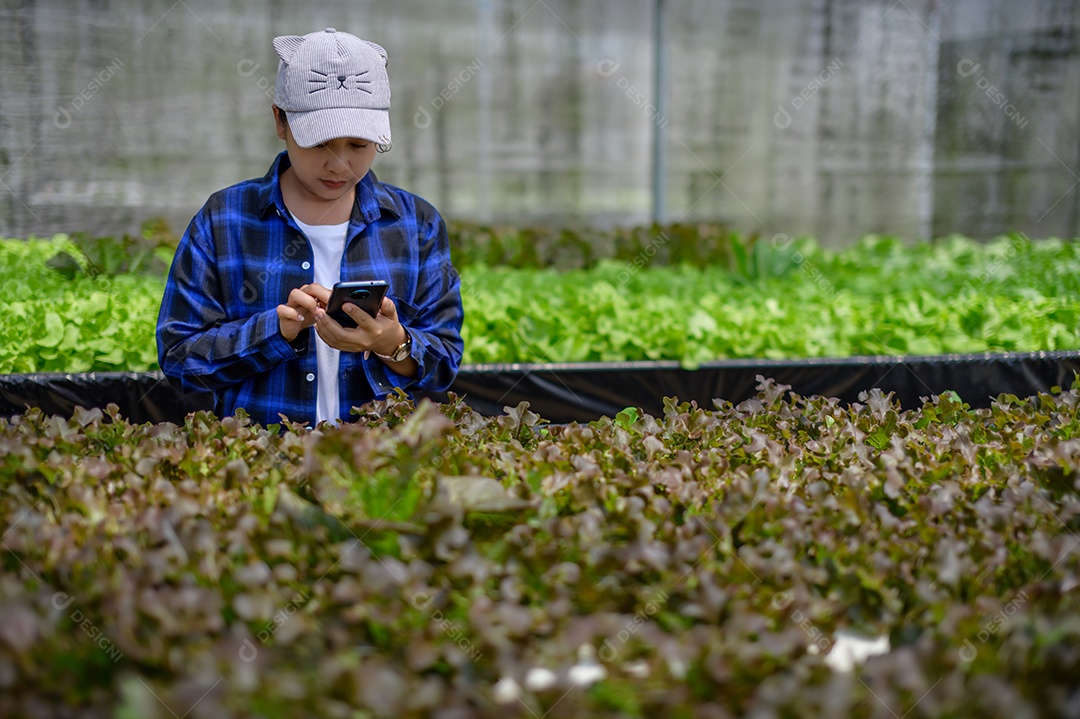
372	197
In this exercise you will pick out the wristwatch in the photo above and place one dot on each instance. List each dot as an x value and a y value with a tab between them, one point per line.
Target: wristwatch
402	351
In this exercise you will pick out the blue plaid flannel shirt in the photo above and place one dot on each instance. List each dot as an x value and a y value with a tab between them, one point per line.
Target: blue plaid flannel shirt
241	256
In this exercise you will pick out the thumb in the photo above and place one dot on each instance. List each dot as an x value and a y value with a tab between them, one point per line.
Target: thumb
388	309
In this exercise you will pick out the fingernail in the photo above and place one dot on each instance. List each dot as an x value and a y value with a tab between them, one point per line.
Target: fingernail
301	318
367	353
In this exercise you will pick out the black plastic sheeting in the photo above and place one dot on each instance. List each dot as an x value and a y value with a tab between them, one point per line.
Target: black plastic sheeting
583	392
141	396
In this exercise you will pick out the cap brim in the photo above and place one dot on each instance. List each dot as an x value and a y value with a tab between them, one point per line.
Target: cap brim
319	126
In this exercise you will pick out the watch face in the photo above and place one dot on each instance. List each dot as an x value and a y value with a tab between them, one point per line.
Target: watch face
402	352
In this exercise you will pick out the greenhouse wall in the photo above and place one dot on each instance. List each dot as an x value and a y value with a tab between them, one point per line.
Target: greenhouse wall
826	117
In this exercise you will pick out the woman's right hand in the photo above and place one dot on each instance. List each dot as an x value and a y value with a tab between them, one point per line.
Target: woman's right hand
299	312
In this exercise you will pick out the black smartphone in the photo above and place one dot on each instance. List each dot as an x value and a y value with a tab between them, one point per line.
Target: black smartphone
367	295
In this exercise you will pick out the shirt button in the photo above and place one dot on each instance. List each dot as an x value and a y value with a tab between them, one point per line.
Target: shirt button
310	377
306	265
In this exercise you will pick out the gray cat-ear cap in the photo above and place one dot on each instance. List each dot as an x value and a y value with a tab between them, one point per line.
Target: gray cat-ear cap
333	84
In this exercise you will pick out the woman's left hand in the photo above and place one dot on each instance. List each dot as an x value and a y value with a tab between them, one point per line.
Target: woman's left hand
381	334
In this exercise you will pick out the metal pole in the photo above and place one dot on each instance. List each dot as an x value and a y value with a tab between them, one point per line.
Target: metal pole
485	22
659	135
1074	216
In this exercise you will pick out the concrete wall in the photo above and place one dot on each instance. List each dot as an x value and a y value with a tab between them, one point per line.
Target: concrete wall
828	117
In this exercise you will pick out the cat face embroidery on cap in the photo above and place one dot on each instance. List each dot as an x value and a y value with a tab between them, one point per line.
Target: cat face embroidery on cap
319	81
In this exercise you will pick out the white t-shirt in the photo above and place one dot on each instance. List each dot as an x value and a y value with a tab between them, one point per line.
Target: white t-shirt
328	243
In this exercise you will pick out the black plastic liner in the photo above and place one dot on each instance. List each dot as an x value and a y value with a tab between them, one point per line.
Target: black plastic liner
141	396
584	392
